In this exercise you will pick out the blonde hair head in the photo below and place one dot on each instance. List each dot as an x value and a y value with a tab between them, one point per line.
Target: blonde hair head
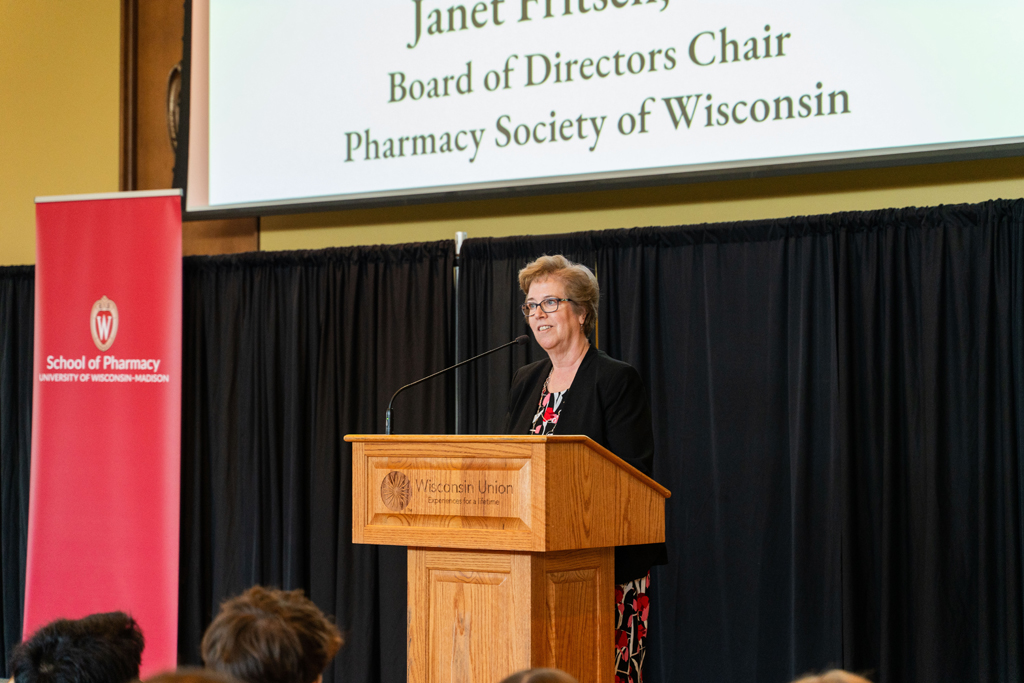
833	676
579	282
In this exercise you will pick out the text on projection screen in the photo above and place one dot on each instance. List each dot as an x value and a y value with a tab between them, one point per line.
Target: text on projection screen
322	99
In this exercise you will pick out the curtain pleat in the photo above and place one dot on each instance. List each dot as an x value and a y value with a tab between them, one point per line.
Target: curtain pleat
17	299
285	354
930	336
732	331
837	408
735	341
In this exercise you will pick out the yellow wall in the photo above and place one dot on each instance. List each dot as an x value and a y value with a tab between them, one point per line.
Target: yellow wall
59	117
928	185
59	109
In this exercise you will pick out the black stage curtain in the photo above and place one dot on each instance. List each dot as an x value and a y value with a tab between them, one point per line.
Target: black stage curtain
731	330
284	354
838	411
931	347
17	297
837	405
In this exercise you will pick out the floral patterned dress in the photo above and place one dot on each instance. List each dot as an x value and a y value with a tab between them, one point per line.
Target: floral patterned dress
632	603
548	409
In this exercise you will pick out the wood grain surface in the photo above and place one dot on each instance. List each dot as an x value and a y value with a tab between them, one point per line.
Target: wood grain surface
511	558
500	493
469	615
476	617
391	440
573	620
151	45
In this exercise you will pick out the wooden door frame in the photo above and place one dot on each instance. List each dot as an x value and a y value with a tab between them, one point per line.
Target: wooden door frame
129	97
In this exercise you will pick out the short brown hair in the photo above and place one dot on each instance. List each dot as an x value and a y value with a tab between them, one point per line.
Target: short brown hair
579	282
266	635
191	674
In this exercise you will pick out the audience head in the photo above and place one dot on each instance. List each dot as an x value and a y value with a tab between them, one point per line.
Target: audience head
540	676
833	676
190	674
267	635
100	648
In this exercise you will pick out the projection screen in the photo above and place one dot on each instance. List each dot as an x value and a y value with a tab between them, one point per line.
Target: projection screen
296	104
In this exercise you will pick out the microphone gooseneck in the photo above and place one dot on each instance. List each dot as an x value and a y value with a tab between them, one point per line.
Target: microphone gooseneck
521	339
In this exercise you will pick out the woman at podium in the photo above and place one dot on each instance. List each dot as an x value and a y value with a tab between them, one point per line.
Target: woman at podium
579	389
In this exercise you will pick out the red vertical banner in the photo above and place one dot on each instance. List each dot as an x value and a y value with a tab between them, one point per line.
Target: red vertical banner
106	414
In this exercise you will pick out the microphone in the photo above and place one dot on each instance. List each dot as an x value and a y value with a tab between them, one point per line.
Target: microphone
521	339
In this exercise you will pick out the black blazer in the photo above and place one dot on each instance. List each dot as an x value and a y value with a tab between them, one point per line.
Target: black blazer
607	402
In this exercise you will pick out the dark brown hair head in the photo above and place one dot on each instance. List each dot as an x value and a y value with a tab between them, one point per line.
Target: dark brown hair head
266	635
99	648
190	674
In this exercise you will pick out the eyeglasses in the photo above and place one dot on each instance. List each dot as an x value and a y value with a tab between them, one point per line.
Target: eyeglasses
549	305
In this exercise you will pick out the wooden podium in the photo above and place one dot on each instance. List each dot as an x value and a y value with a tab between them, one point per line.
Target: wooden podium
511	558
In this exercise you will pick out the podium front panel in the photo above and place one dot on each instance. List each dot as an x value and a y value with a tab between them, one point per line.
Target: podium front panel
460	496
478	616
469	615
511	564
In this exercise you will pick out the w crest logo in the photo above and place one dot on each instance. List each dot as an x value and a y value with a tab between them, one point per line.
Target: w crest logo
103	323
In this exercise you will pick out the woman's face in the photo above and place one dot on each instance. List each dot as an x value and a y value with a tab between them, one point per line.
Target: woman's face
558	330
